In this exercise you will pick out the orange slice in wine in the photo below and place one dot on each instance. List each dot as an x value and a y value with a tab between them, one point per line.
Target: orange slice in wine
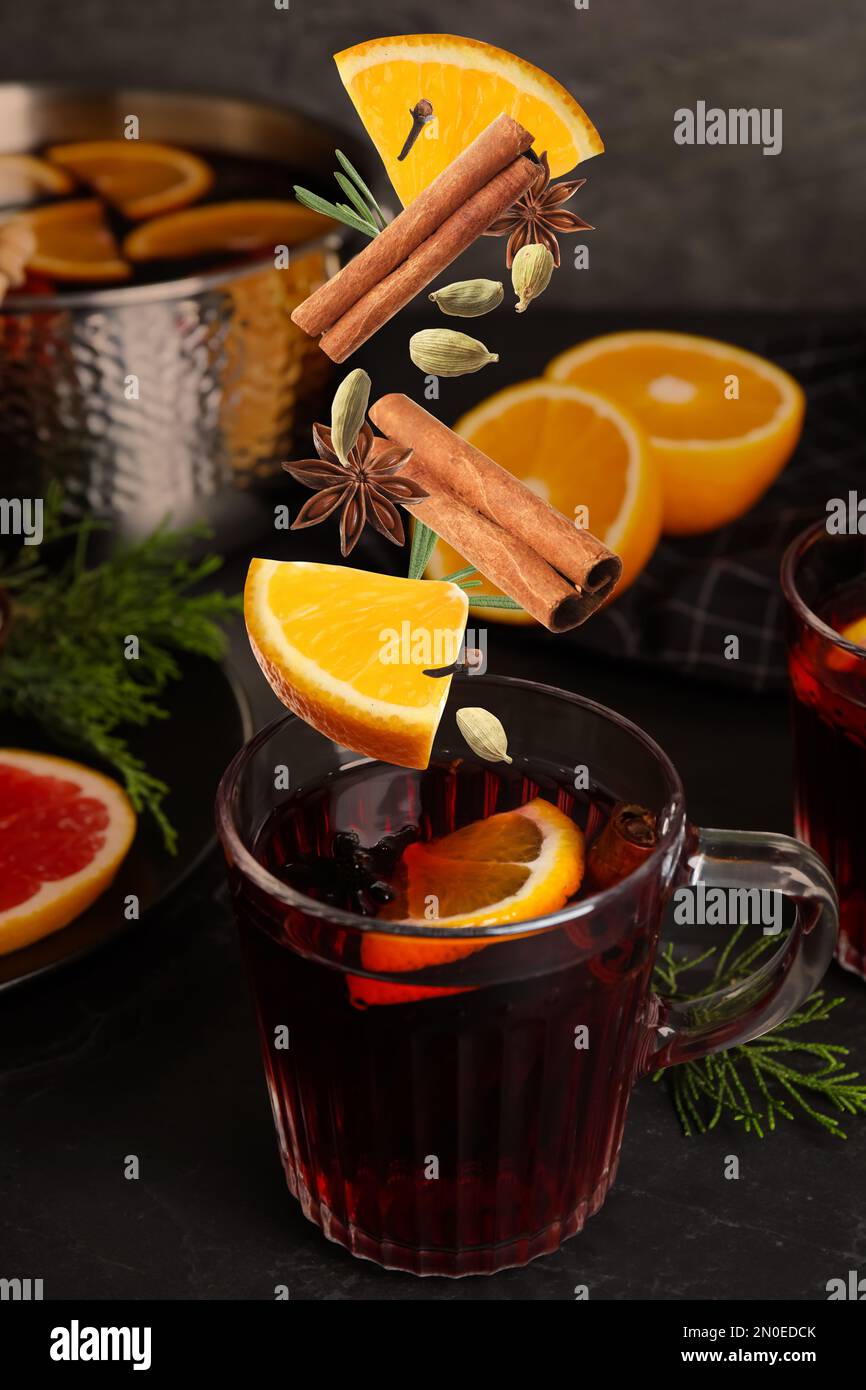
74	242
510	867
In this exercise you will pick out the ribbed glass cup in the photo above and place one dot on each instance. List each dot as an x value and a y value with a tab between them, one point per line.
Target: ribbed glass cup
477	1123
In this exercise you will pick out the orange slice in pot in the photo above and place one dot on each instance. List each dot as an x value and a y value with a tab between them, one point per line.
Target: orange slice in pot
138	177
74	242
219	228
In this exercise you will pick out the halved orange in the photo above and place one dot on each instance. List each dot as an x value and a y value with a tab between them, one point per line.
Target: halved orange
510	867
225	227
64	831
74	242
576	450
721	423
24	178
346	649
469	84
139	177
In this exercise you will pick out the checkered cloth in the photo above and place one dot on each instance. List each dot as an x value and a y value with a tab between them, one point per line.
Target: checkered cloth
698	590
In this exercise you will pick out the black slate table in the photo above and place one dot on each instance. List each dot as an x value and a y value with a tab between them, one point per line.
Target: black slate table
149	1048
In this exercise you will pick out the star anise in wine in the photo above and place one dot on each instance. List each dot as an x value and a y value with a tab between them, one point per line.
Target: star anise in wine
365	491
538	216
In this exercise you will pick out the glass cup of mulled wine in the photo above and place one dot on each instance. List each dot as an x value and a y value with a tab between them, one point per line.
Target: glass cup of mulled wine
462	1110
824	582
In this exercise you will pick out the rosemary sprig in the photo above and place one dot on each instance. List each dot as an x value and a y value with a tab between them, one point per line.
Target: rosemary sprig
62	664
760	1082
424	543
364	215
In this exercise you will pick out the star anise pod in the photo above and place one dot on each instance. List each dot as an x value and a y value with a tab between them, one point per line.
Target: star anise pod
538	216
364	492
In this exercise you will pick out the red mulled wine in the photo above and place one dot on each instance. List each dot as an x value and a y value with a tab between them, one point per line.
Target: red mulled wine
829	714
476	1123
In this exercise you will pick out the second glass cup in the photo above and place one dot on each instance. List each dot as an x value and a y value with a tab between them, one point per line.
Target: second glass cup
824	582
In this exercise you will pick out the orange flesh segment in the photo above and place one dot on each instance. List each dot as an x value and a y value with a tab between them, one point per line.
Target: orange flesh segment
468	84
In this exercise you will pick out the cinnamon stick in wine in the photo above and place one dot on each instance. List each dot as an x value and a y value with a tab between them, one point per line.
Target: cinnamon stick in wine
625	843
491	151
587	569
457	232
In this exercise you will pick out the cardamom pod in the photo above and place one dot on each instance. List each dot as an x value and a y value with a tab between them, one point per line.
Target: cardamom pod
466	299
531	270
348	412
442	352
484	734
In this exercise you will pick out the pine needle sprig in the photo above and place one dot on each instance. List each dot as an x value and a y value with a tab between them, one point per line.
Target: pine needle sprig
759	1083
63	663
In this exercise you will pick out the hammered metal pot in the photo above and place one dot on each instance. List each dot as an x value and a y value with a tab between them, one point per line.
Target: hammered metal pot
226	382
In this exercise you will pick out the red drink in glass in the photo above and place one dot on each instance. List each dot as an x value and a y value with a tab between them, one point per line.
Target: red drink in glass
465	1116
824	577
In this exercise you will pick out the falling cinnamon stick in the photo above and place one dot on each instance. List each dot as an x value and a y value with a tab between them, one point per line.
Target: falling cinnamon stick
515	567
493	150
558	572
457	233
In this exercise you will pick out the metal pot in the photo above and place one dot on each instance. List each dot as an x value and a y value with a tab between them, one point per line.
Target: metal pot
226	382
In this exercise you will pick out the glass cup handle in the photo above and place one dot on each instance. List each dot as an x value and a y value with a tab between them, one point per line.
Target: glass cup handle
680	1031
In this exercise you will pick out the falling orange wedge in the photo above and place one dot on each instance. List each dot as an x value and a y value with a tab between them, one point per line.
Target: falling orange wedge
139	177
468	84
64	831
347	649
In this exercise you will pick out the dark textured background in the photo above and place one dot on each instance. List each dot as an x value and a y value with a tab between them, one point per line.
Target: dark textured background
149	1047
677	226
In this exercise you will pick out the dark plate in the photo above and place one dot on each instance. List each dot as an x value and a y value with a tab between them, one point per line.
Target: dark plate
210	719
